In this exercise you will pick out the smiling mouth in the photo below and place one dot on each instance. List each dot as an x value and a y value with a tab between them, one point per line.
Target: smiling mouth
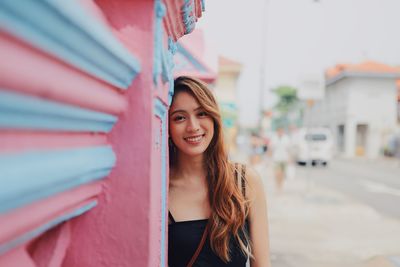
194	139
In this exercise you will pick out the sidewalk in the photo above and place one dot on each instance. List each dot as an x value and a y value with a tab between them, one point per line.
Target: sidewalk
313	226
389	163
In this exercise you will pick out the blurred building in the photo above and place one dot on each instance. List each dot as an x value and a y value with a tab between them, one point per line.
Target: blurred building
398	101
191	58
226	93
84	92
360	107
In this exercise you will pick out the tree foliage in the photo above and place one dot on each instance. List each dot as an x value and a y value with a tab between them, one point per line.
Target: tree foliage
287	99
288	107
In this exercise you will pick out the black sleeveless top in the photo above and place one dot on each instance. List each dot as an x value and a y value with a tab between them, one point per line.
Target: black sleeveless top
184	238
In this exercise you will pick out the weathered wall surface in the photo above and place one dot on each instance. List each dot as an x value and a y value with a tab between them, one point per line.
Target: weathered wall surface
84	91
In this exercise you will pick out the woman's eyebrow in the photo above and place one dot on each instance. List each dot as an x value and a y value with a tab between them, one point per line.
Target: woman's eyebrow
178	110
184	111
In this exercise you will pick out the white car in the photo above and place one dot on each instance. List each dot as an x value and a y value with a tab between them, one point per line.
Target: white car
314	145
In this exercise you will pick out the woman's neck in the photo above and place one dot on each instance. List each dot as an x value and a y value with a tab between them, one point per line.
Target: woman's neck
188	168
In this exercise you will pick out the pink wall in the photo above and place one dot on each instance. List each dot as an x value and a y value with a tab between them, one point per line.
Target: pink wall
116	233
119	217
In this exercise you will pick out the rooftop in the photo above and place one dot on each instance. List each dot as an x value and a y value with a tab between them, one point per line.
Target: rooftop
365	69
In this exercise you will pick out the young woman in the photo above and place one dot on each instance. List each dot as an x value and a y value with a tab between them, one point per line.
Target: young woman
217	209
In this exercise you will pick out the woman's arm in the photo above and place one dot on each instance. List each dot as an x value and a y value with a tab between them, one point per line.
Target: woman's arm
258	221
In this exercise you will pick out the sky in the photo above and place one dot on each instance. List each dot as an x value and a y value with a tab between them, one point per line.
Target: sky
300	37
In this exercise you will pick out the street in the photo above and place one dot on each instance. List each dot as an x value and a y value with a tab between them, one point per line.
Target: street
343	215
375	183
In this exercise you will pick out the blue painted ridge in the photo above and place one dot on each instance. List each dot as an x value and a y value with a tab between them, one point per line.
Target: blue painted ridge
203	5
167	73
173	48
67	31
168	62
31	176
170	92
161	111
28	112
188	18
172	45
22	239
160	11
167	66
160	108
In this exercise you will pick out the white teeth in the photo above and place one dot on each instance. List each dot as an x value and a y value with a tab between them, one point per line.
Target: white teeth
194	139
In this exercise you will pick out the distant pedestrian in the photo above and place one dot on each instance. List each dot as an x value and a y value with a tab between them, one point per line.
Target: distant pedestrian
281	153
257	148
217	209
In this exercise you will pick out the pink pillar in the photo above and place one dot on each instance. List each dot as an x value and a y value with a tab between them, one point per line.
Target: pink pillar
91	146
117	232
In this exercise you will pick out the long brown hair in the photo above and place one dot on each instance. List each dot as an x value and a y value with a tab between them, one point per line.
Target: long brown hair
228	205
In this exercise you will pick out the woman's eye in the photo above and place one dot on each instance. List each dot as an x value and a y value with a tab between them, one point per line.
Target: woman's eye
179	118
202	114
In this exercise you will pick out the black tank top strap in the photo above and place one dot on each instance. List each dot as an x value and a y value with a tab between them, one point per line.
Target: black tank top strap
243	180
171	218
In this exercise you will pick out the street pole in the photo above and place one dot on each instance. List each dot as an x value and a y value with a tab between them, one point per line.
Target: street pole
264	29
310	105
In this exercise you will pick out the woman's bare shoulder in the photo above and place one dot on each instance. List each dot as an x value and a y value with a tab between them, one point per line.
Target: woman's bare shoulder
254	182
251	177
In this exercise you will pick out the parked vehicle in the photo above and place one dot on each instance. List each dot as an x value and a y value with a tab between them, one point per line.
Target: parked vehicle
392	147
313	146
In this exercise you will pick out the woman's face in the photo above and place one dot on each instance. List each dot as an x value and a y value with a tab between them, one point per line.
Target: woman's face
190	127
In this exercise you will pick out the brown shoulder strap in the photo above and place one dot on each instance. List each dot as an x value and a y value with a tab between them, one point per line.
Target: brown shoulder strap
236	173
200	247
243	176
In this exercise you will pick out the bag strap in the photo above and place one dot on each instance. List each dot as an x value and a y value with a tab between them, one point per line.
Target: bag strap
244	180
236	173
242	176
200	247
206	230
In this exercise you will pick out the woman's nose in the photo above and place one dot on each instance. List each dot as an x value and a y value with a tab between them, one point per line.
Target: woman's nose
193	125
